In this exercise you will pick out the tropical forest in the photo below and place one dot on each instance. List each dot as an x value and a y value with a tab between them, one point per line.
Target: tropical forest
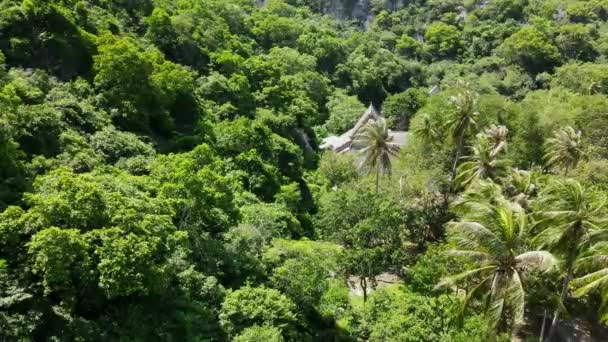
304	170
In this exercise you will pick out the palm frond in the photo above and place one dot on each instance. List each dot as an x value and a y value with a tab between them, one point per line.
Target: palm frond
590	282
540	260
516	297
472	293
495	309
469	253
472	230
452	280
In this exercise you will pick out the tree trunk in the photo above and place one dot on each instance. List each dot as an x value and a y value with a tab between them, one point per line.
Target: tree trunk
562	298
542	328
457	155
378	178
363	282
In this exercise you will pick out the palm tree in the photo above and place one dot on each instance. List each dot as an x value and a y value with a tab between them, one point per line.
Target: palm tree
427	131
569	215
462	120
377	148
564	149
596	263
520	186
493	236
476	197
498	137
483	163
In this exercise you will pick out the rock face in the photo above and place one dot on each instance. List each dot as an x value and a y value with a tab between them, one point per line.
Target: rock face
359	10
348	9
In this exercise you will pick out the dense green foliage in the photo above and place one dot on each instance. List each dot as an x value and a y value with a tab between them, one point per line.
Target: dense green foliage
161	177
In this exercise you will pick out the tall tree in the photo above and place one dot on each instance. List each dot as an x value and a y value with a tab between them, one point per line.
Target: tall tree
484	163
493	237
564	149
378	147
462	120
568	216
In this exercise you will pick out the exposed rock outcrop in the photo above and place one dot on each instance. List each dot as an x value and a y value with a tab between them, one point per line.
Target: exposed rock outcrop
359	10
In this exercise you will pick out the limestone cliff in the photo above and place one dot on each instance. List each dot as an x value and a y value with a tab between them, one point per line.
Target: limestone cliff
360	10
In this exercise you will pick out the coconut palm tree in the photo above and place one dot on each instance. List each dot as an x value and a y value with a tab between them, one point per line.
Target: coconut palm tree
493	237
498	137
520	186
427	131
483	163
564	149
378	147
462	120
595	264
568	215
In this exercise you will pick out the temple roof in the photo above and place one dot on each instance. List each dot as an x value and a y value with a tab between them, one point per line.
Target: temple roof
342	143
